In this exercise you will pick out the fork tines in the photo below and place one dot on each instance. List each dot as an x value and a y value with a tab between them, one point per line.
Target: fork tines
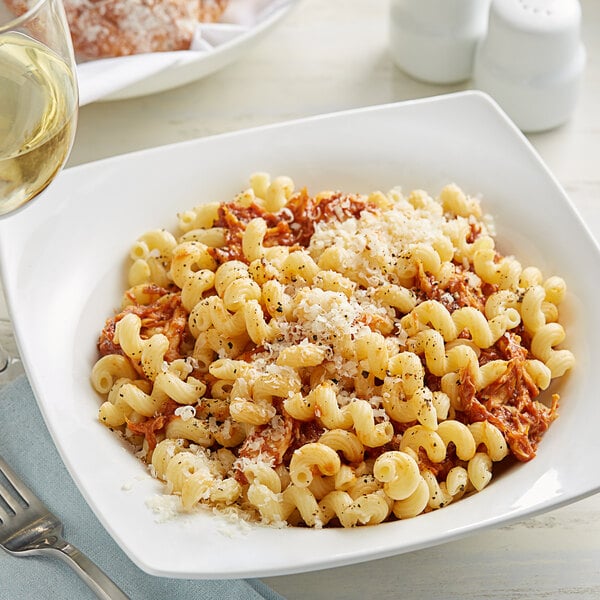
12	493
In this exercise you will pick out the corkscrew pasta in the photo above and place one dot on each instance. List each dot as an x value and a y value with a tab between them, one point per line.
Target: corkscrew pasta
330	360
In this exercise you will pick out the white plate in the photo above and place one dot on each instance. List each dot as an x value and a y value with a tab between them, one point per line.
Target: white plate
63	262
242	25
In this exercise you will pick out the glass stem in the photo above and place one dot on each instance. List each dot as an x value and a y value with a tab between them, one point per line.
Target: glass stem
4	359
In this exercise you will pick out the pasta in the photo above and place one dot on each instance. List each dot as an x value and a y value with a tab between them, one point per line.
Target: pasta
330	360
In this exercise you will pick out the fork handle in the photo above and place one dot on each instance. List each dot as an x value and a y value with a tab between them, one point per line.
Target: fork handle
97	580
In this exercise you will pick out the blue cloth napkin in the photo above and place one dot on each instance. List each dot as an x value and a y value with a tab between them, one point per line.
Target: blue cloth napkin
26	446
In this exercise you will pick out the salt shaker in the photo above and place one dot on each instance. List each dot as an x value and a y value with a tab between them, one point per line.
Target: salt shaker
435	40
532	60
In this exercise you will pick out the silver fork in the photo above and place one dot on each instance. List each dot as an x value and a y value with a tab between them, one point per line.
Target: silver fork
27	527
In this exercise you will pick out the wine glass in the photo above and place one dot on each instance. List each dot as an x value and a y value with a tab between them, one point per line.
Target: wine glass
38	109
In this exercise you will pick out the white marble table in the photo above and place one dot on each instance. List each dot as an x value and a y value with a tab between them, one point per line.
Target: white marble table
332	55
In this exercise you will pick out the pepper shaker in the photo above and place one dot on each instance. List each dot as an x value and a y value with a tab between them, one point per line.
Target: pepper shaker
435	40
531	60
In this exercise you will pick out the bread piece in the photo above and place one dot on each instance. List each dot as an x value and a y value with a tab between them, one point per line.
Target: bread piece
110	28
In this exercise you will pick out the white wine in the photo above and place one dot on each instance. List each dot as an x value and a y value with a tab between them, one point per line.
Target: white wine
38	113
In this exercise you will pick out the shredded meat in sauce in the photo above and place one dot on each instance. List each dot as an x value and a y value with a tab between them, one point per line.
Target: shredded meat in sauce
456	292
164	314
150	427
267	442
293	226
508	403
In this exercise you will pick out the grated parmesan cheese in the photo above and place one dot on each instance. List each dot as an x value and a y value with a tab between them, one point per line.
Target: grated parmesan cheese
186	412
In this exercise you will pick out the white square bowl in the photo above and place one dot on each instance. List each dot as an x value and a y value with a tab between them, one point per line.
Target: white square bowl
63	266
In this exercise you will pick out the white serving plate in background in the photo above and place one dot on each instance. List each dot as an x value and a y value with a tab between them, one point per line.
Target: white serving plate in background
223	43
63	261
